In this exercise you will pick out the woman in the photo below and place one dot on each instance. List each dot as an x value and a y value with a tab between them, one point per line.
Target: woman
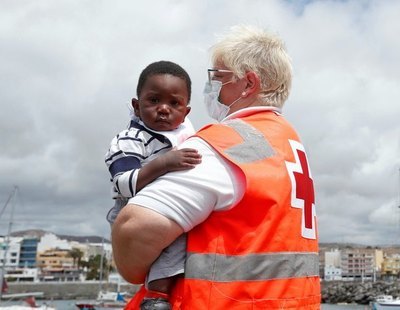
248	208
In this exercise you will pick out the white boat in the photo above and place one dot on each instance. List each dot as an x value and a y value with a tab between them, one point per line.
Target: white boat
22	307
28	303
385	302
17	307
22	295
105	300
111	296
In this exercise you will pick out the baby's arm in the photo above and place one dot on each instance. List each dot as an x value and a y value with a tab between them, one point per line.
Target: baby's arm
124	162
173	160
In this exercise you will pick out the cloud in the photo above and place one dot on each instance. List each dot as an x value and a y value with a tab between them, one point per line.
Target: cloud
70	68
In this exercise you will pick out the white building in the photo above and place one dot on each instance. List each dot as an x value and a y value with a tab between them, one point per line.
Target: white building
50	241
22	275
332	270
102	249
332	258
332	273
10	252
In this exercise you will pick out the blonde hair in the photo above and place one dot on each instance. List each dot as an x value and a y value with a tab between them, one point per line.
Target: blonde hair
248	48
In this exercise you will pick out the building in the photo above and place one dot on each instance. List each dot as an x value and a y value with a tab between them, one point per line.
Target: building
10	252
332	273
22	275
57	265
59	275
358	264
391	267
379	257
54	259
28	251
332	268
102	249
321	257
50	241
333	258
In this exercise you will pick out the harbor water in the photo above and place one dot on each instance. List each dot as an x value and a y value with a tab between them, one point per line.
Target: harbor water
70	305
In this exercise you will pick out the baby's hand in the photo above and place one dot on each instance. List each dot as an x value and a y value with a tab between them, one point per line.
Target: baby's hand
182	159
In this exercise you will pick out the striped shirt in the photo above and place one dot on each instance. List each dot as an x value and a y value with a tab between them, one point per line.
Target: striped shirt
130	150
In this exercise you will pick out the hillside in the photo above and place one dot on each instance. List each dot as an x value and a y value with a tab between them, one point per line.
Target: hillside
38	233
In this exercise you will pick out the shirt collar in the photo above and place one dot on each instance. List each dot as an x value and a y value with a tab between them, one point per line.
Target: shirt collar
252	110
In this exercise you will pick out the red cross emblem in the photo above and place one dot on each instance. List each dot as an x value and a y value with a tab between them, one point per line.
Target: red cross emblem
302	189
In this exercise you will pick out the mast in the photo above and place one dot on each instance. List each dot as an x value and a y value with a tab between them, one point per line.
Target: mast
101	266
7	238
398	201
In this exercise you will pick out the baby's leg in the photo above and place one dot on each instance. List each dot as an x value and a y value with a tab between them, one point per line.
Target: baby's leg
170	263
163	273
163	285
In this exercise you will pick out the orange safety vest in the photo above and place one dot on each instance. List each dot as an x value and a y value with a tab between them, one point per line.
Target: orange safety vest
263	253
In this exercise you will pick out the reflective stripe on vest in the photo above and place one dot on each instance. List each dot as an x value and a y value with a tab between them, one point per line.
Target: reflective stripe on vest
254	147
223	268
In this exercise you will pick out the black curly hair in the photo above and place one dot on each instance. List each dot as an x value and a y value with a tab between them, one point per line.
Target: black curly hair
164	67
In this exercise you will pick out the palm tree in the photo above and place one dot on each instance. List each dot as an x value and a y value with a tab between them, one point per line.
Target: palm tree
94	267
76	255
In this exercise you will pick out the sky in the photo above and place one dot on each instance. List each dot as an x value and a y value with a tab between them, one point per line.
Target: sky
69	70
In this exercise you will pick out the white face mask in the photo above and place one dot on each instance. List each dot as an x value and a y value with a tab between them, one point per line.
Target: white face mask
216	109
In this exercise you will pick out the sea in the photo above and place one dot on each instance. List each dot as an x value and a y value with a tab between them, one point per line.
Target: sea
70	305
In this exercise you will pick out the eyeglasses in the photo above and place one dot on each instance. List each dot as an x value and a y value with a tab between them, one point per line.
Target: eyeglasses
212	72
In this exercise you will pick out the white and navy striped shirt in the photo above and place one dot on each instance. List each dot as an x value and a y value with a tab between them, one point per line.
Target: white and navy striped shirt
131	149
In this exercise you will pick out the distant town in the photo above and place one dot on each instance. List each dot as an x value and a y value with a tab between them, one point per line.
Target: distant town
352	262
40	256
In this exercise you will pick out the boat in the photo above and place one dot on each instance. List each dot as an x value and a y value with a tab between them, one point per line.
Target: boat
85	305
105	300
23	307
28	299
385	302
111	296
28	303
22	295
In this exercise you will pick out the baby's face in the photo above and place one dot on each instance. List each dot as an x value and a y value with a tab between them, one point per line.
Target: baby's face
163	102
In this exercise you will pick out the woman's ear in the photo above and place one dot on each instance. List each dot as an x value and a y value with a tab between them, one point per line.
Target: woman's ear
135	106
252	84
